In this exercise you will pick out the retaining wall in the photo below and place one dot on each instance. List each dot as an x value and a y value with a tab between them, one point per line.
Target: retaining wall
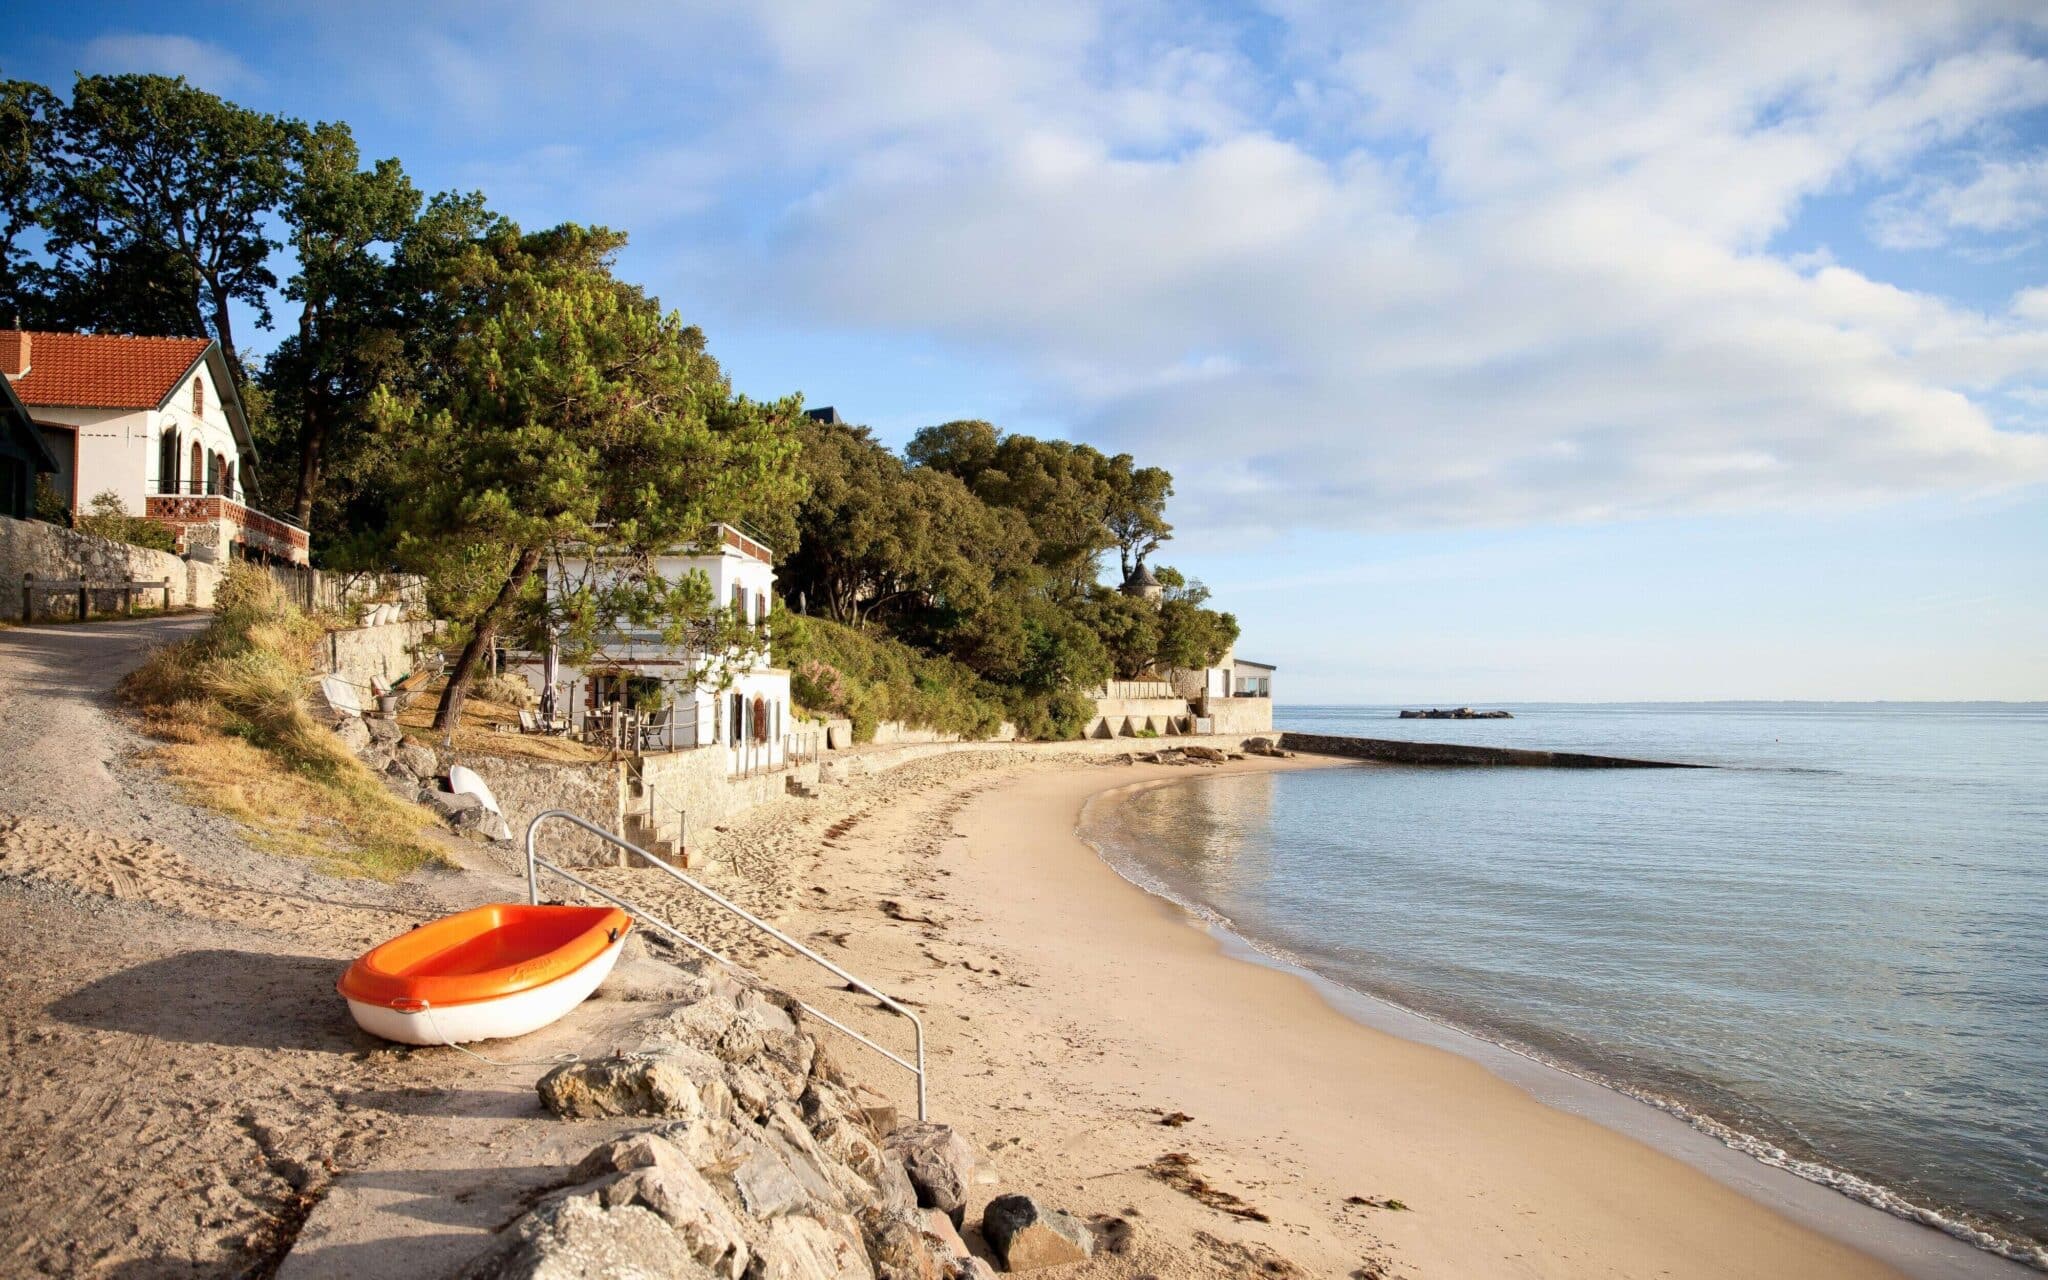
1447	753
1239	715
386	651
52	551
526	788
1122	717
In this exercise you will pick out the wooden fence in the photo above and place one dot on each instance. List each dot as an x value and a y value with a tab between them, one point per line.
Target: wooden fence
84	592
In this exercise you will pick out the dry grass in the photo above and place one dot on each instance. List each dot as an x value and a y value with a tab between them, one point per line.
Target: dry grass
230	705
492	728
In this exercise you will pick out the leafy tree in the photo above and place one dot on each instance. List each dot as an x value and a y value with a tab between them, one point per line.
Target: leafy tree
1190	635
1137	510
874	537
346	222
157	210
28	116
1128	628
567	411
1063	490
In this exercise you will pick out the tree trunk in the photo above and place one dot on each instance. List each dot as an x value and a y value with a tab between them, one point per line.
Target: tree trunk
449	714
311	438
223	329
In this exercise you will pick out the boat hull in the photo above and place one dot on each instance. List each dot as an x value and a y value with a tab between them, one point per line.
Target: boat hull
498	1018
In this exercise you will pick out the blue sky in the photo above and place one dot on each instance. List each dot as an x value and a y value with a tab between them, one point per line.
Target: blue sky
1500	350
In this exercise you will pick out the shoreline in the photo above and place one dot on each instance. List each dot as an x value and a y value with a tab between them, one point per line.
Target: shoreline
1111	1016
1897	1237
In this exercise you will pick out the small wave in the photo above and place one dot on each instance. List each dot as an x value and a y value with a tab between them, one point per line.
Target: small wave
1760	1149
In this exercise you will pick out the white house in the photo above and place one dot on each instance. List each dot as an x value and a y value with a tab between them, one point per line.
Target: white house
156	422
683	699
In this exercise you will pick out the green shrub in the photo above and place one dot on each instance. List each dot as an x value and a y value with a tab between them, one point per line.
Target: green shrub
108	518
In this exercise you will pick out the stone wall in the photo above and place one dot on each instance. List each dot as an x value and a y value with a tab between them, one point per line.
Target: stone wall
50	551
1446	753
686	793
1239	715
526	788
386	652
896	733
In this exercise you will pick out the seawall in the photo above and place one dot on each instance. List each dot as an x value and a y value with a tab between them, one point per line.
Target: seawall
1391	751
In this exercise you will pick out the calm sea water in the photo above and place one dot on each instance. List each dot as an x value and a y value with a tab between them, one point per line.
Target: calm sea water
1831	952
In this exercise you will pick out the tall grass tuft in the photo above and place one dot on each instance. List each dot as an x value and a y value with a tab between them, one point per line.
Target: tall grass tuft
232	701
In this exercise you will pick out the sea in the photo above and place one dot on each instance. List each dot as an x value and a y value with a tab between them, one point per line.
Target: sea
1829	952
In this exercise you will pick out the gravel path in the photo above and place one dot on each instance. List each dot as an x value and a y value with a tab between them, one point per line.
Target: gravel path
179	1080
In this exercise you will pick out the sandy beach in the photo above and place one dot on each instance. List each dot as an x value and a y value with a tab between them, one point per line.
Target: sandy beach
1210	1117
1071	1014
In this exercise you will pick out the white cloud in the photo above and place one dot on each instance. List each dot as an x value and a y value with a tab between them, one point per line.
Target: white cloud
1435	263
200	61
2001	196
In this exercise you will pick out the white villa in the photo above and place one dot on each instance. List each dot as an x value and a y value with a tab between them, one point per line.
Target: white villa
674	699
157	422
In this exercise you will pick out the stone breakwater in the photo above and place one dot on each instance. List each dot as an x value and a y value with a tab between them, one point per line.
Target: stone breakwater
757	1160
1390	751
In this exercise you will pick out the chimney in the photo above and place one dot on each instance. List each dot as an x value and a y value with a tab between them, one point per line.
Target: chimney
13	352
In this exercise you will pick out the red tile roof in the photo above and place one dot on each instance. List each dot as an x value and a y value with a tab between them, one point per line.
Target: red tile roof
104	371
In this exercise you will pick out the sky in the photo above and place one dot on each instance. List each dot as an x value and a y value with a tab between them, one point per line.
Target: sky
1500	351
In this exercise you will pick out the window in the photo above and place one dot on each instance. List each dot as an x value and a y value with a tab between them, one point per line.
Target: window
198	395
739	601
760	606
227	478
739	720
167	463
195	477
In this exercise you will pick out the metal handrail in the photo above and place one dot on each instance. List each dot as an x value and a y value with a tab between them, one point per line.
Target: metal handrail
534	862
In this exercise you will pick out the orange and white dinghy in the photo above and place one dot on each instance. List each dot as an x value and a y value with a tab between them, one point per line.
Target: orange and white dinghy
485	974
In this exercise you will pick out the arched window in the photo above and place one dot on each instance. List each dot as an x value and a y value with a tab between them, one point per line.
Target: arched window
167	463
227	482
195	479
198	395
760	718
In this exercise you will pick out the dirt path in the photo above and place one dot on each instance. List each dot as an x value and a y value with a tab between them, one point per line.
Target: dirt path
177	1087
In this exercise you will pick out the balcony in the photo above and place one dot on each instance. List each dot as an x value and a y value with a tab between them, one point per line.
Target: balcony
221	521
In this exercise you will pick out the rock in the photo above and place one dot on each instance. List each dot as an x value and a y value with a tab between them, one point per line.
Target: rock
638	1084
382	730
577	1238
451	806
848	1142
1210	754
354	734
900	1247
800	1247
1265	747
492	826
406	788
970	1268
881	1117
1027	1237
940	1164
679	1195
941	1228
417	758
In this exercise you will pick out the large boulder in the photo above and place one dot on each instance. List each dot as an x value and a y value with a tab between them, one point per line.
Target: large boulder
800	1247
1027	1237
382	730
1210	754
663	1083
901	1247
418	759
354	734
578	1238
454	808
940	1164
